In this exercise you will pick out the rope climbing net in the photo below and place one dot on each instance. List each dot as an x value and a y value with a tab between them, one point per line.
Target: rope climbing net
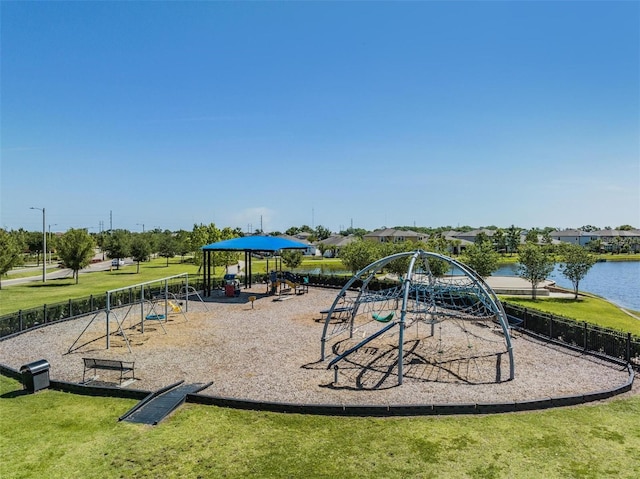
382	311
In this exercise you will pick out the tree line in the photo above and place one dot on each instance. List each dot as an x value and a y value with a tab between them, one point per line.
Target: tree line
76	248
536	261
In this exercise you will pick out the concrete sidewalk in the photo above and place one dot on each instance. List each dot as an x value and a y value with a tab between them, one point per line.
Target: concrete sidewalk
516	286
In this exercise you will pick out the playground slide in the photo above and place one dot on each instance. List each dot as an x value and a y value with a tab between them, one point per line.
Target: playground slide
174	307
287	283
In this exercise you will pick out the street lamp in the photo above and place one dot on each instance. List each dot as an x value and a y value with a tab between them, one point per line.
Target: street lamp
44	244
141	224
54	224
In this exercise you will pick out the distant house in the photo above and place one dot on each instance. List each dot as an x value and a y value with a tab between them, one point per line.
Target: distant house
333	244
390	235
456	244
611	240
617	240
471	235
311	249
572	236
303	235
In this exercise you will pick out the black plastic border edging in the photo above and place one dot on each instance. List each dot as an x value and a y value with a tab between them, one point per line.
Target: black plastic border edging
411	410
344	409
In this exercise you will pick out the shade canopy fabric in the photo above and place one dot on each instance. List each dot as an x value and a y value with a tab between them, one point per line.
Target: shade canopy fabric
254	243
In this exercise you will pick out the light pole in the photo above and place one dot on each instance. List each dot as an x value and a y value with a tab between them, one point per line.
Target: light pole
44	244
54	224
141	224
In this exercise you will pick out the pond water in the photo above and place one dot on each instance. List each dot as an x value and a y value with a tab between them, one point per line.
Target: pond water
617	281
323	269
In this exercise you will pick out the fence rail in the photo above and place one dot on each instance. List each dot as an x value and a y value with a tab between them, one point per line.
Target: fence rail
576	334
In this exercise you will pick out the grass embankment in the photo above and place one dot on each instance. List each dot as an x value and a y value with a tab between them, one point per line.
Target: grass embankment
619	257
57	435
587	308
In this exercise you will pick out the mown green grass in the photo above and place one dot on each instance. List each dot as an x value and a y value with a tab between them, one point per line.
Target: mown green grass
587	308
30	272
30	295
35	294
58	435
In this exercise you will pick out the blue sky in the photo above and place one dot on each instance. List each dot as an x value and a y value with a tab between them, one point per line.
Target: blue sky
320	113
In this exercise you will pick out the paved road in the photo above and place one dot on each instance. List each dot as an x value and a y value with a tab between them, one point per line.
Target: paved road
58	273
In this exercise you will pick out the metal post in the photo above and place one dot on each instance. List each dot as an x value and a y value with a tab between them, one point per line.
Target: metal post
108	311
628	351
44	248
142	309
166	300
400	348
186	299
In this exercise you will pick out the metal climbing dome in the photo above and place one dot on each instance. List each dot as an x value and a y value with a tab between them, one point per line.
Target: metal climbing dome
449	328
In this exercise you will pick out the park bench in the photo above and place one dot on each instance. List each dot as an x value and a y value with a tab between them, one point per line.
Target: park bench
109	365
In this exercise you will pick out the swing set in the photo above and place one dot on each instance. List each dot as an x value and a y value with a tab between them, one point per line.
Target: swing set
132	306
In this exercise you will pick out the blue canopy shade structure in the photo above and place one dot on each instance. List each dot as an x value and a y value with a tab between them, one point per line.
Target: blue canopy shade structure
264	244
248	244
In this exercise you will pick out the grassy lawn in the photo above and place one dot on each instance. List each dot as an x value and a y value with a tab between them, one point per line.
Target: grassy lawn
587	308
29	295
507	259
31	272
58	435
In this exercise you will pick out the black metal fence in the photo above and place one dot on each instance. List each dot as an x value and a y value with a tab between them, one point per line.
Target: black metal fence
576	334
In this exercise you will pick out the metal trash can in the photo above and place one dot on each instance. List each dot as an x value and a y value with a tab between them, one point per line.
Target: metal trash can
35	375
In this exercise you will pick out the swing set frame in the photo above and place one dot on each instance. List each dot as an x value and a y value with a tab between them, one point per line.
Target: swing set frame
143	294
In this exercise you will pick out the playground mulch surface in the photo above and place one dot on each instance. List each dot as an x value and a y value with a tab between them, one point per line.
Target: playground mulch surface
271	352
